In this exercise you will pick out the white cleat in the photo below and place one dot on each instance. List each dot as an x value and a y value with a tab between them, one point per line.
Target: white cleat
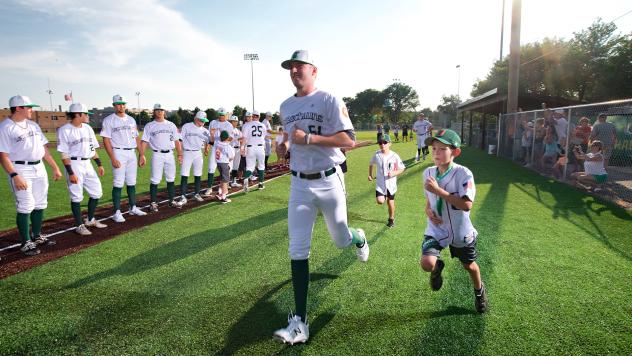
363	252
208	192
183	200
198	197
297	332
94	223
118	217
82	230
153	207
136	211
235	185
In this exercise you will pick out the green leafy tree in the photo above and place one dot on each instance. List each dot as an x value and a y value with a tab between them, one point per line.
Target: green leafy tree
239	111
403	98
448	105
144	118
211	114
176	119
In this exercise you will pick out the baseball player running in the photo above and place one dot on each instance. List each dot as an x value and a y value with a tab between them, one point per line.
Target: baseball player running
254	141
236	143
215	128
194	138
423	128
389	166
22	147
316	125
77	144
162	137
120	139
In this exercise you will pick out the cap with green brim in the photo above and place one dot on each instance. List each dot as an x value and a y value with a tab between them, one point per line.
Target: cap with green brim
447	137
118	100
201	115
386	138
20	100
301	56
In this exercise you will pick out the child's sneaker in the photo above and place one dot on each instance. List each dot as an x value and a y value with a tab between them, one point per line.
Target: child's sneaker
481	299
436	281
390	223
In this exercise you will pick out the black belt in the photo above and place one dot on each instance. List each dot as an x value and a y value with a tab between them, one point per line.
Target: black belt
162	151
121	148
254	145
192	150
235	146
79	159
30	163
317	175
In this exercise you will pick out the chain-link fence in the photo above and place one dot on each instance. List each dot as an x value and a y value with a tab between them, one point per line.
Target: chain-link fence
589	146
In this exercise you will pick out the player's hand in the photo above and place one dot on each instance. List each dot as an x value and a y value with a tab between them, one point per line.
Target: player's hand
432	186
434	218
19	183
73	179
370	178
56	174
142	161
101	171
298	136
180	159
116	163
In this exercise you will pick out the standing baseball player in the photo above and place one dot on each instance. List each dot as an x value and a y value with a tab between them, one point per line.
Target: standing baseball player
317	124
77	144
162	137
194	138
224	154
267	122
236	143
120	139
389	166
423	128
22	148
254	141
215	128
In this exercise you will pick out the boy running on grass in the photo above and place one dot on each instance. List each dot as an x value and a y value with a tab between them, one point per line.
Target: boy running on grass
450	191
389	166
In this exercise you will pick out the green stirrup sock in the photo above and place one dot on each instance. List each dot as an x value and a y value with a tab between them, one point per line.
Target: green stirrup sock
131	195
153	192
198	184
261	176
76	212
300	283
183	185
22	220
356	238
37	217
92	207
171	190
116	198
209	180
248	174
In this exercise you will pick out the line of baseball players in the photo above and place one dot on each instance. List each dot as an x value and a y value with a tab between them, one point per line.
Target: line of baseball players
23	146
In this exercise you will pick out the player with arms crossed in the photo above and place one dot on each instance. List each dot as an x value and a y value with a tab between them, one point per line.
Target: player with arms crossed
423	128
254	139
22	147
194	138
77	144
120	139
450	192
162	137
317	125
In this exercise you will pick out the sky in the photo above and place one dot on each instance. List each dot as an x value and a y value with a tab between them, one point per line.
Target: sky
191	53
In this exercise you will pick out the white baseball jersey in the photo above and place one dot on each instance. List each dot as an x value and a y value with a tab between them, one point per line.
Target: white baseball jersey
266	123
236	134
254	133
194	137
219	126
457	229
594	167
422	127
77	141
161	136
23	141
122	131
318	113
386	163
224	152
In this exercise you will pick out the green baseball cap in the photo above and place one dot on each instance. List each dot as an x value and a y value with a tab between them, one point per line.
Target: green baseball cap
386	138
447	137
224	135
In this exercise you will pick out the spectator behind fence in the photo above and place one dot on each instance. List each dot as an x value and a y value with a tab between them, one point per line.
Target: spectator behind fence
526	142
552	149
606	133
581	134
594	170
561	126
538	146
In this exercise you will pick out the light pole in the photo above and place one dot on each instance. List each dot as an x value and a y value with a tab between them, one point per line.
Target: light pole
252	57
50	95
458	82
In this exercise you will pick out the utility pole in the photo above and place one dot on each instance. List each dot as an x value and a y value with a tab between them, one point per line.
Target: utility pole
514	58
252	57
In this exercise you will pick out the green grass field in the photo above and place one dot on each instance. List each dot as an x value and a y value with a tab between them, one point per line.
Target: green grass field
557	266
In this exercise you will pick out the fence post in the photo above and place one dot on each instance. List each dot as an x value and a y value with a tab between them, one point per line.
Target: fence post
500	116
568	139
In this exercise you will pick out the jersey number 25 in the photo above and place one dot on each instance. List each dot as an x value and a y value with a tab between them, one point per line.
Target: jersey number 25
256	131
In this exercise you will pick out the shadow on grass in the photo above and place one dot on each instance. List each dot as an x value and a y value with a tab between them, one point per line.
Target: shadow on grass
255	324
185	247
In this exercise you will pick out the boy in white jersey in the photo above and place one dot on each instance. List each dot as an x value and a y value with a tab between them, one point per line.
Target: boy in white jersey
254	140
236	143
450	191
194	138
317	124
389	166
162	137
77	144
224	155
22	148
120	139
215	128
423	128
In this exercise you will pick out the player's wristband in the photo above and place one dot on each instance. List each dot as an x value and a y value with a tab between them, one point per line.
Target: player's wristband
69	169
309	135
13	174
98	162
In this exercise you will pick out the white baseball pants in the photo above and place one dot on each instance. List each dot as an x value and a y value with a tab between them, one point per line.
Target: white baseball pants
163	162
192	158
87	179
35	196
255	156
126	174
